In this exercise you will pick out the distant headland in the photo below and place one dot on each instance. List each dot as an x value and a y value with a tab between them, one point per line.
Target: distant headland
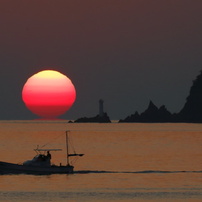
190	113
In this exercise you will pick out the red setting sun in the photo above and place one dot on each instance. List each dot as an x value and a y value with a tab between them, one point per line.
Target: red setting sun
48	94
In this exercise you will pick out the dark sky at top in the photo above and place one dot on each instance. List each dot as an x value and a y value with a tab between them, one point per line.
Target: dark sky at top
126	52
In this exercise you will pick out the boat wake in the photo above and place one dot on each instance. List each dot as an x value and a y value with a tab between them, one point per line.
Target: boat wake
132	172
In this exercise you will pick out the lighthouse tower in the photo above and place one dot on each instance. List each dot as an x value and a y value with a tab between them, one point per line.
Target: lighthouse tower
101	108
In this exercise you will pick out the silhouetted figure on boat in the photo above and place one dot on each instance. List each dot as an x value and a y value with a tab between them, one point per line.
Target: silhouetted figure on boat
48	155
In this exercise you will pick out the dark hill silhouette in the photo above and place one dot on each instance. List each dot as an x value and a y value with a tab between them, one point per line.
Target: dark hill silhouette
191	112
151	115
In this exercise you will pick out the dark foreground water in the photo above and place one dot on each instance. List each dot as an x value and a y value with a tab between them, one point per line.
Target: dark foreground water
122	162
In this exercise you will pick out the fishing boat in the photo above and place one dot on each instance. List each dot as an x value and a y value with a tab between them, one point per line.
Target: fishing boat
41	163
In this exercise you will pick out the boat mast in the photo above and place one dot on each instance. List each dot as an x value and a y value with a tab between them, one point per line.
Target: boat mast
67	147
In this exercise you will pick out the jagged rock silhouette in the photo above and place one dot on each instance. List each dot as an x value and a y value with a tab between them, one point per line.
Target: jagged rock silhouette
151	115
190	113
192	110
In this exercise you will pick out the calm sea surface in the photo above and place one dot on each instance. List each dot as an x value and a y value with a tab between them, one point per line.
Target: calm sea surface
122	162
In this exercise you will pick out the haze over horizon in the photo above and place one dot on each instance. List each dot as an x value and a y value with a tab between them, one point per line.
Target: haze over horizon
125	52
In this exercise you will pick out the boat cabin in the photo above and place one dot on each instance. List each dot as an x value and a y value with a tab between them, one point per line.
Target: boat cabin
40	159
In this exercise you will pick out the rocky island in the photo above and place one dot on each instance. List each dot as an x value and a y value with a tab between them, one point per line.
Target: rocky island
190	113
102	117
96	119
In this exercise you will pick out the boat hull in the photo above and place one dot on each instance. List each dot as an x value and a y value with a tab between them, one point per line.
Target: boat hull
10	168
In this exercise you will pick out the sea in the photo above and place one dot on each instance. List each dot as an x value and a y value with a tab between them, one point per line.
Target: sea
123	161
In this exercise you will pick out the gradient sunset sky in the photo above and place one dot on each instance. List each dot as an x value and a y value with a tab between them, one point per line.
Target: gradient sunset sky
126	52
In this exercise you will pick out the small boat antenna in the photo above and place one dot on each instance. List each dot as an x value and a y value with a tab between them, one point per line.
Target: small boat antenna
67	148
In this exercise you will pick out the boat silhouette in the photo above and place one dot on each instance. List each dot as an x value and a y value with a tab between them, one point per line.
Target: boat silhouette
41	163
